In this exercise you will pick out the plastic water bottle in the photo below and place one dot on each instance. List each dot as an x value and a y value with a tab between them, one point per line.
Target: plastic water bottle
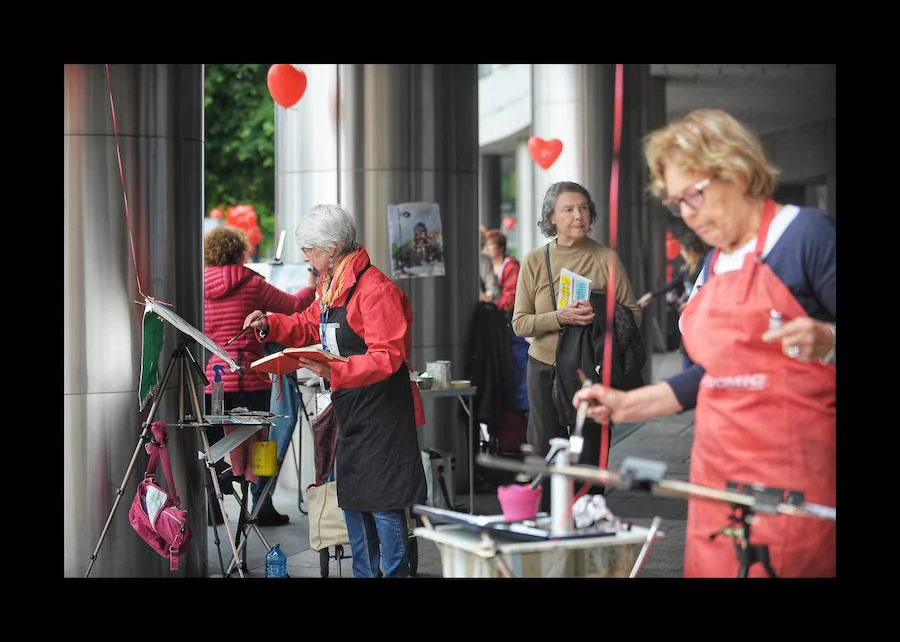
218	392
276	563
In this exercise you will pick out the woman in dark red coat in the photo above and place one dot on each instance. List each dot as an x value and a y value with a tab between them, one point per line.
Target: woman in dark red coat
230	292
360	314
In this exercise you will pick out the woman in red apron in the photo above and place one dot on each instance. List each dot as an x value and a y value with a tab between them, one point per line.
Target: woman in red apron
765	398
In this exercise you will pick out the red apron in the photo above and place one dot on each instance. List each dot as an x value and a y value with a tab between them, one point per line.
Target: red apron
761	417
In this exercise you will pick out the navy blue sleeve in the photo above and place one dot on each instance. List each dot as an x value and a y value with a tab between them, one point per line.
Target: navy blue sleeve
685	386
804	259
678	282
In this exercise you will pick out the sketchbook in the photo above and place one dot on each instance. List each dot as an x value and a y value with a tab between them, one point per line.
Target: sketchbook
286	361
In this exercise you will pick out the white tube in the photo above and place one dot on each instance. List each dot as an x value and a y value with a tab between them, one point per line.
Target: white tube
561	488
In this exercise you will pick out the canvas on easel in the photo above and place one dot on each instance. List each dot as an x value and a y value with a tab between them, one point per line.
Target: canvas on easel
151	347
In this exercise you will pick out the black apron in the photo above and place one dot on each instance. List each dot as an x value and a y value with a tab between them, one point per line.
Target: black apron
378	465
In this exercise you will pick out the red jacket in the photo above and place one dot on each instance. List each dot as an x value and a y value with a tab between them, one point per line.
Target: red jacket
231	292
379	313
509	277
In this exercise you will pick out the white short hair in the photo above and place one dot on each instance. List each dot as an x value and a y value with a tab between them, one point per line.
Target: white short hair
325	226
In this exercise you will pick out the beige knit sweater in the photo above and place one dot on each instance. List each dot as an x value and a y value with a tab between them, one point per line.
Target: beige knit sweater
534	314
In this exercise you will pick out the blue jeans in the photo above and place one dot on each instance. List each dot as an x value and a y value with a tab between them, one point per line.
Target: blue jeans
375	538
281	430
520	361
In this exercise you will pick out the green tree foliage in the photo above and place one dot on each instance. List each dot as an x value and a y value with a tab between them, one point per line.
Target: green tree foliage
240	143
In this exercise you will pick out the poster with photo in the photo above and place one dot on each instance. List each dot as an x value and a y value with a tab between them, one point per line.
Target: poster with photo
417	243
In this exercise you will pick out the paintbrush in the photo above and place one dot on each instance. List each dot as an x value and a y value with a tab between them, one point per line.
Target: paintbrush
576	441
243	330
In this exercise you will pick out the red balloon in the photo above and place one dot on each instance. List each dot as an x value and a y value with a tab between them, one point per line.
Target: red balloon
544	152
216	213
509	222
286	84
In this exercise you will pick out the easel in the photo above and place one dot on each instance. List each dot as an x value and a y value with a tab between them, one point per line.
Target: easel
766	500
188	368
748	554
646	475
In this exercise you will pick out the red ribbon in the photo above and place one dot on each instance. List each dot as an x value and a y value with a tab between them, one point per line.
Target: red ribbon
611	284
112	109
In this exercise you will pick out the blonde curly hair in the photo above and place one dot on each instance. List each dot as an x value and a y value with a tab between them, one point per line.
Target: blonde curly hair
225	245
711	142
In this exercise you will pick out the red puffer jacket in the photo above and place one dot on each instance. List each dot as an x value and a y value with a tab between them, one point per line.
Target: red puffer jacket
231	292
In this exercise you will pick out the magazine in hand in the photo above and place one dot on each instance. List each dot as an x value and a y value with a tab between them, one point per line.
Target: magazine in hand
286	360
572	287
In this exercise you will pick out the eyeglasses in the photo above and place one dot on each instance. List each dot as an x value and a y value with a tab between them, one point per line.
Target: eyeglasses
306	250
693	196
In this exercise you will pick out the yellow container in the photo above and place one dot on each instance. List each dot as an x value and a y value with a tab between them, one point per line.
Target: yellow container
265	459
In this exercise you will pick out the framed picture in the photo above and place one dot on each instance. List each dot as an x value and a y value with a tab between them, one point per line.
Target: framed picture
417	243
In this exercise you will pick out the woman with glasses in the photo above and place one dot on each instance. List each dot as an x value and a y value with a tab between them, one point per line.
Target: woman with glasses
760	327
360	314
566	217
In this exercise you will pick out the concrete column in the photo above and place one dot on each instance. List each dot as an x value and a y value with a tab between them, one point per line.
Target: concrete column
659	220
159	111
489	188
307	151
635	209
527	212
574	104
399	133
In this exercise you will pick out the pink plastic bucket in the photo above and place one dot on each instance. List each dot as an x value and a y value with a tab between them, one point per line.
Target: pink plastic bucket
519	501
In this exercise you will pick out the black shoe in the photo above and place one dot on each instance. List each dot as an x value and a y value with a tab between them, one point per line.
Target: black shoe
226	482
214	515
268	516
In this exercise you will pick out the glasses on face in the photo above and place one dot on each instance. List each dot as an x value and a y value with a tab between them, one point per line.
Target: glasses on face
306	250
693	196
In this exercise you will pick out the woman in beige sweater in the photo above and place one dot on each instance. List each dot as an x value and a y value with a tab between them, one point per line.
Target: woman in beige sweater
566	217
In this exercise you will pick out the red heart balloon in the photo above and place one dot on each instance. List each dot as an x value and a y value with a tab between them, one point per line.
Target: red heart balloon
286	84
544	152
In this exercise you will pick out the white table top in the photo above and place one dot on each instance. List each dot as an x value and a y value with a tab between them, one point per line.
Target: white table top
470	540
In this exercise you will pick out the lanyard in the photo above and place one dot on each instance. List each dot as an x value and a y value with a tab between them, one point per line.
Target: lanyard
323	316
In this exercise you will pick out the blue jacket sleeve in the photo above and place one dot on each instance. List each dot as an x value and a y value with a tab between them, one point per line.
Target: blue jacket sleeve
685	385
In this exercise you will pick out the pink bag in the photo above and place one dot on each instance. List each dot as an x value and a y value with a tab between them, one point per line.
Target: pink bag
154	513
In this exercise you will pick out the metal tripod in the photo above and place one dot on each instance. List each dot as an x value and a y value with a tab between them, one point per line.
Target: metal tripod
748	554
188	368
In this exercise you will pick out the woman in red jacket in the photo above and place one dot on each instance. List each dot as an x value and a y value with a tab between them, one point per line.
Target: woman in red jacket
506	268
360	314
230	292
512	434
